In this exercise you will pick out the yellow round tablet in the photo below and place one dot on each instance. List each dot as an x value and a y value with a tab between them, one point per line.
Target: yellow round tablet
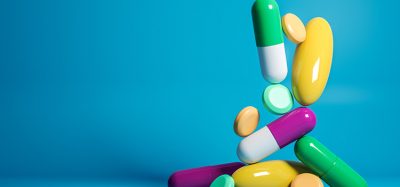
246	121
307	180
294	28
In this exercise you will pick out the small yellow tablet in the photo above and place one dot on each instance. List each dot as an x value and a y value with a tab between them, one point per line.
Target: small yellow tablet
294	28
246	121
307	180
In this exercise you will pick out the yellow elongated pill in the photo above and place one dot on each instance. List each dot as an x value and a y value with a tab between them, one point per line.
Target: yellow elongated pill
307	180
277	173
246	121
293	28
312	62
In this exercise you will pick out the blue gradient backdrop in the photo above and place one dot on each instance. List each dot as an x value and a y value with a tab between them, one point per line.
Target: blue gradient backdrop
135	90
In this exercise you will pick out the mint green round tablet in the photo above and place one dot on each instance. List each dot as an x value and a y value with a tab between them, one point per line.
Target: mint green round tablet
223	181
277	99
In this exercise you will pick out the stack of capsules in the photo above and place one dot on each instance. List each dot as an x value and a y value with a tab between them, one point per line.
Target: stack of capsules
310	72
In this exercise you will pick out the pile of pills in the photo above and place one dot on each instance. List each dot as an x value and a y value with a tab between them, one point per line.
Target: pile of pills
310	72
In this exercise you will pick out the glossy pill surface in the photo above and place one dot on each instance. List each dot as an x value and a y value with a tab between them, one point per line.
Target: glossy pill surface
312	62
203	176
306	180
293	28
269	40
246	121
276	135
223	181
326	164
277	99
275	173
267	23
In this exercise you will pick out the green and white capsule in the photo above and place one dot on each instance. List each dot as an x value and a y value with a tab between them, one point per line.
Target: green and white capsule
269	40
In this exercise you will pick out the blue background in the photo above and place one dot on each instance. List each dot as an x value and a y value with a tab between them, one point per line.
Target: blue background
123	93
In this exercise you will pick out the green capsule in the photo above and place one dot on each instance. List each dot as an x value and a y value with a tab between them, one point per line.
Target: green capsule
326	164
267	23
269	40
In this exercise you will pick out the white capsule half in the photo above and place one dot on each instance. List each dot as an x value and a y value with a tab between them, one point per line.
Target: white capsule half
273	62
257	146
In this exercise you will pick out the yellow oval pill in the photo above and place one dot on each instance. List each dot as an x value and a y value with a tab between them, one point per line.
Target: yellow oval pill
246	121
293	28
312	62
307	180
268	174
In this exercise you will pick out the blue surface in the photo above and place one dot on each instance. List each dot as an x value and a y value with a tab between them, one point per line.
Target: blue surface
135	90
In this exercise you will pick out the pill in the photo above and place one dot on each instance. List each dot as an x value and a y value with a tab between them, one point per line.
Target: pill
269	40
326	164
275	173
306	180
223	181
246	121
276	135
312	62
202	176
277	99
294	28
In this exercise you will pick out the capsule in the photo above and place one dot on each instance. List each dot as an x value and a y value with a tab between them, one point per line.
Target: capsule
277	173
276	135
269	40
327	165
312	62
202	176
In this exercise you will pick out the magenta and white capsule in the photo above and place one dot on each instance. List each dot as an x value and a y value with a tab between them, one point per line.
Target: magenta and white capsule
276	135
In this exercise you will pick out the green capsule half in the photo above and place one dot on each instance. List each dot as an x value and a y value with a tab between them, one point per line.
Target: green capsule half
267	23
326	164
